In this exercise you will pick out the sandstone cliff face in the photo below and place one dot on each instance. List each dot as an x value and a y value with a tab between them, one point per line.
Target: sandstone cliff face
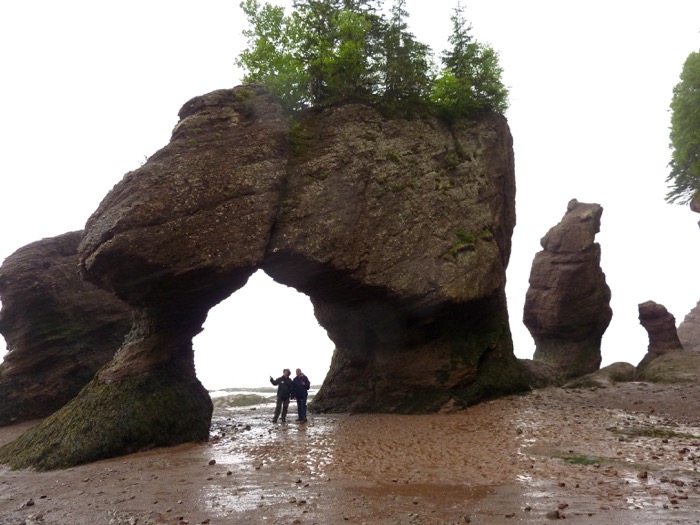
567	307
661	328
689	330
59	328
398	230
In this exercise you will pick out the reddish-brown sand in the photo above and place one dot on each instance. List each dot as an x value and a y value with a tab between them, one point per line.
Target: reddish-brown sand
625	454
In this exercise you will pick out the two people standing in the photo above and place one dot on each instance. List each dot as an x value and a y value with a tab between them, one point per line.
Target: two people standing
295	389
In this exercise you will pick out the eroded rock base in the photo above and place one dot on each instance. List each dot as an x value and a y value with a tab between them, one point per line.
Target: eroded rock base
107	420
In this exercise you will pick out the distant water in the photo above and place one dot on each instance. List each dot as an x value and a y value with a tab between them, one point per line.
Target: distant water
262	391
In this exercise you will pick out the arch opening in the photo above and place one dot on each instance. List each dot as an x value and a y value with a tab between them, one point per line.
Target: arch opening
256	332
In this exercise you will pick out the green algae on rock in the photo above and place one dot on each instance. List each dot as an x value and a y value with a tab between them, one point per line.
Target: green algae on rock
112	419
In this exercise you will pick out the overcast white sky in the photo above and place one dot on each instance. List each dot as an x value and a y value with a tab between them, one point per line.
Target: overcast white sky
90	89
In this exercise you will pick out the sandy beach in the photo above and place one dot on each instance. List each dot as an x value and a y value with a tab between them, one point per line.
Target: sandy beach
626	454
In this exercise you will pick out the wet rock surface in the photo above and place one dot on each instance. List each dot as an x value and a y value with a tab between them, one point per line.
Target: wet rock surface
623	454
567	306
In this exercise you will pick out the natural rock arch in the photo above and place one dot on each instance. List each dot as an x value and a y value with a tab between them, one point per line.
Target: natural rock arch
275	328
398	230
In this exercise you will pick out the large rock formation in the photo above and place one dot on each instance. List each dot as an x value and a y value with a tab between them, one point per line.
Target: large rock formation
661	327
689	330
399	231
59	329
567	306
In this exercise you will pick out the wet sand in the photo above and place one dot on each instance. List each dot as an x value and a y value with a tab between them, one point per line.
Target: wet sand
625	454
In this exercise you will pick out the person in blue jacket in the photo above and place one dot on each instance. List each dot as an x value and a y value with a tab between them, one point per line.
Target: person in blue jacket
300	392
284	391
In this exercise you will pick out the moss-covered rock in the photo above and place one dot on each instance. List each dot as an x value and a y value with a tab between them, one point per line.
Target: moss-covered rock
673	367
107	420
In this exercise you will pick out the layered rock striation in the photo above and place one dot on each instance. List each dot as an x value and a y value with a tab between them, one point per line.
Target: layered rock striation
567	306
398	230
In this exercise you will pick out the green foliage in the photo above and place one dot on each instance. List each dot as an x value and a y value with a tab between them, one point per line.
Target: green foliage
470	81
340	51
685	134
465	241
466	237
406	61
271	58
486	234
346	64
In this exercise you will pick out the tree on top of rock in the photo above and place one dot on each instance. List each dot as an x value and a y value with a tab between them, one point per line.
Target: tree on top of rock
406	61
471	77
341	51
272	57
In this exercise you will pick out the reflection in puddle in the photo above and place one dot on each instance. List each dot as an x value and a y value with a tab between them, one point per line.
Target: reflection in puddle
510	455
266	465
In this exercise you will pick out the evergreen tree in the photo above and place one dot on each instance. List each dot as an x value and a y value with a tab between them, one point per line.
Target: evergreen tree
464	50
347	68
271	57
338	47
406	60
685	134
338	51
315	18
471	78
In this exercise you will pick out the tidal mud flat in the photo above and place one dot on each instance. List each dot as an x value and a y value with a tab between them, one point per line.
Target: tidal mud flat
625	454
